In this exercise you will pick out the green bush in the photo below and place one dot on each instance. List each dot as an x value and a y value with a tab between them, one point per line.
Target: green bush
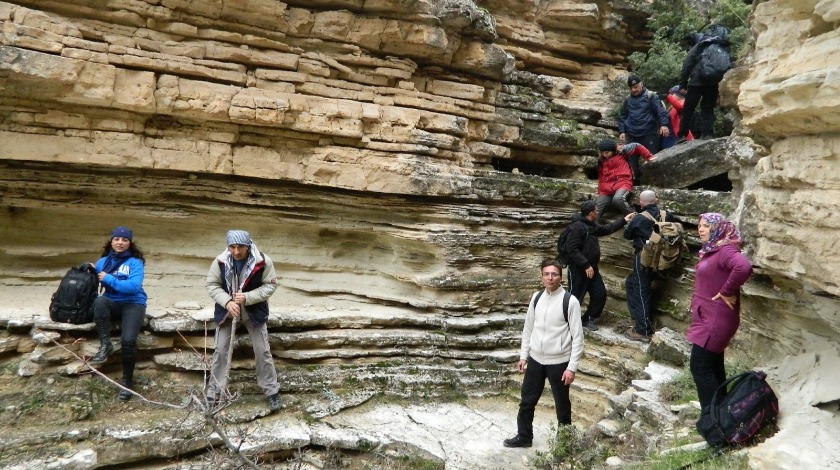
671	22
570	448
660	66
682	389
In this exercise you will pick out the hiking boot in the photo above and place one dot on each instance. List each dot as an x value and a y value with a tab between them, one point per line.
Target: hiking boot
517	441
103	330
105	350
125	395
633	335
682	140
590	325
274	403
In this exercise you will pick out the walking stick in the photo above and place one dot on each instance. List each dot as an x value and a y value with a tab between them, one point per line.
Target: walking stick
234	289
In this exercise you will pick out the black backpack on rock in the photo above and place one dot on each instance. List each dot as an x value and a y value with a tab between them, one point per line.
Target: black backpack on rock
73	301
740	408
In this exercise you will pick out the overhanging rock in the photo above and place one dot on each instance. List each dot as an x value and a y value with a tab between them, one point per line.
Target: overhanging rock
686	164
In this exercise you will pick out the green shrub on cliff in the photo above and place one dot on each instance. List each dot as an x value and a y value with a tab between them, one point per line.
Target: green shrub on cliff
672	22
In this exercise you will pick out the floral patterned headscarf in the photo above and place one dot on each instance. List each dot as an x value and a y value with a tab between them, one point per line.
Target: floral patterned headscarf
723	232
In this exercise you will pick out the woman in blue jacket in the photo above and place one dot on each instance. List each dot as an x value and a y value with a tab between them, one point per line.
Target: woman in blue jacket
120	272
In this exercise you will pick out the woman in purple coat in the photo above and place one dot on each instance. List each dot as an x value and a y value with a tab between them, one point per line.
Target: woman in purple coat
715	305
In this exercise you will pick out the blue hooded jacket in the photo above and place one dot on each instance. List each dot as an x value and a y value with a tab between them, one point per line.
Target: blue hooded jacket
124	282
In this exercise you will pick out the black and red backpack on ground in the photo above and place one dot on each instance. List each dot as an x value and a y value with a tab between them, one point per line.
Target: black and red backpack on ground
740	408
73	301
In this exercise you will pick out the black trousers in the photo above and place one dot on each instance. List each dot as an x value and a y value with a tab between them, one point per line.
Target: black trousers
708	370
639	295
131	317
706	96
579	285
651	142
532	387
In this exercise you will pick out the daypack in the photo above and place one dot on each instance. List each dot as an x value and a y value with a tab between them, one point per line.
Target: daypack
665	246
562	253
566	297
740	408
714	62
73	301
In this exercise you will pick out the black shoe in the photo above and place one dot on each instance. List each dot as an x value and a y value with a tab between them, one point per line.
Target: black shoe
105	350
125	395
274	403
517	441
590	325
682	140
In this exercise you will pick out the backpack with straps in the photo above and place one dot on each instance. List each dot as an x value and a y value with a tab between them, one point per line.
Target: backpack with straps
714	62
562	240
665	246
562	254
566	297
73	301
740	408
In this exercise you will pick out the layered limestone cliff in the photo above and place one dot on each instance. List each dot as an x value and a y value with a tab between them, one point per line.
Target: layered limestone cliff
788	151
406	165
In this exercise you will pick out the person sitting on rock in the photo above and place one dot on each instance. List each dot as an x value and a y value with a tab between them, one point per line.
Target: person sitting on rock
615	177
120	273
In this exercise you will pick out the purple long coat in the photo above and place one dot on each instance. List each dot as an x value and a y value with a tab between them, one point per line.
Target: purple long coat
713	323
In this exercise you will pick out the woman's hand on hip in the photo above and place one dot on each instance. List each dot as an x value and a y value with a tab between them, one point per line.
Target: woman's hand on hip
730	300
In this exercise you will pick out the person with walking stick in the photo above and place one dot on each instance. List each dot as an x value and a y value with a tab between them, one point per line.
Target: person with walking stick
240	281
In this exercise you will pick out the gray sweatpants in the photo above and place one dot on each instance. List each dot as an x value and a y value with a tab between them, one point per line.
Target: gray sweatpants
618	201
266	374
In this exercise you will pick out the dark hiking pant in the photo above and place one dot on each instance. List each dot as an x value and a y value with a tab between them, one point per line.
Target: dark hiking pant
708	371
579	285
532	387
706	96
639	295
131	318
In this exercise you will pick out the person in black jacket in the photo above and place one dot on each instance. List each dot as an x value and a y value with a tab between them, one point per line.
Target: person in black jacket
584	254
698	90
240	281
638	281
643	120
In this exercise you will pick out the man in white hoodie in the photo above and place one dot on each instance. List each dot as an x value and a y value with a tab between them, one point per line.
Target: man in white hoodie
552	344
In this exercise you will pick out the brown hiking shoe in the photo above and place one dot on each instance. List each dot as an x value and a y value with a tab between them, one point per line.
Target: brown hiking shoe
631	334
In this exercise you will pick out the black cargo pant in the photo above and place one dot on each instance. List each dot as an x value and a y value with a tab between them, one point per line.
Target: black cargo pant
706	96
532	387
579	285
639	296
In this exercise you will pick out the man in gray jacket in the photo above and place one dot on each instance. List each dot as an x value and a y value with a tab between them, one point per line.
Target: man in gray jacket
240	281
552	344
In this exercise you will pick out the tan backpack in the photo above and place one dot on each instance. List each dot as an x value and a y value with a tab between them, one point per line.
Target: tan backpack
665	246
